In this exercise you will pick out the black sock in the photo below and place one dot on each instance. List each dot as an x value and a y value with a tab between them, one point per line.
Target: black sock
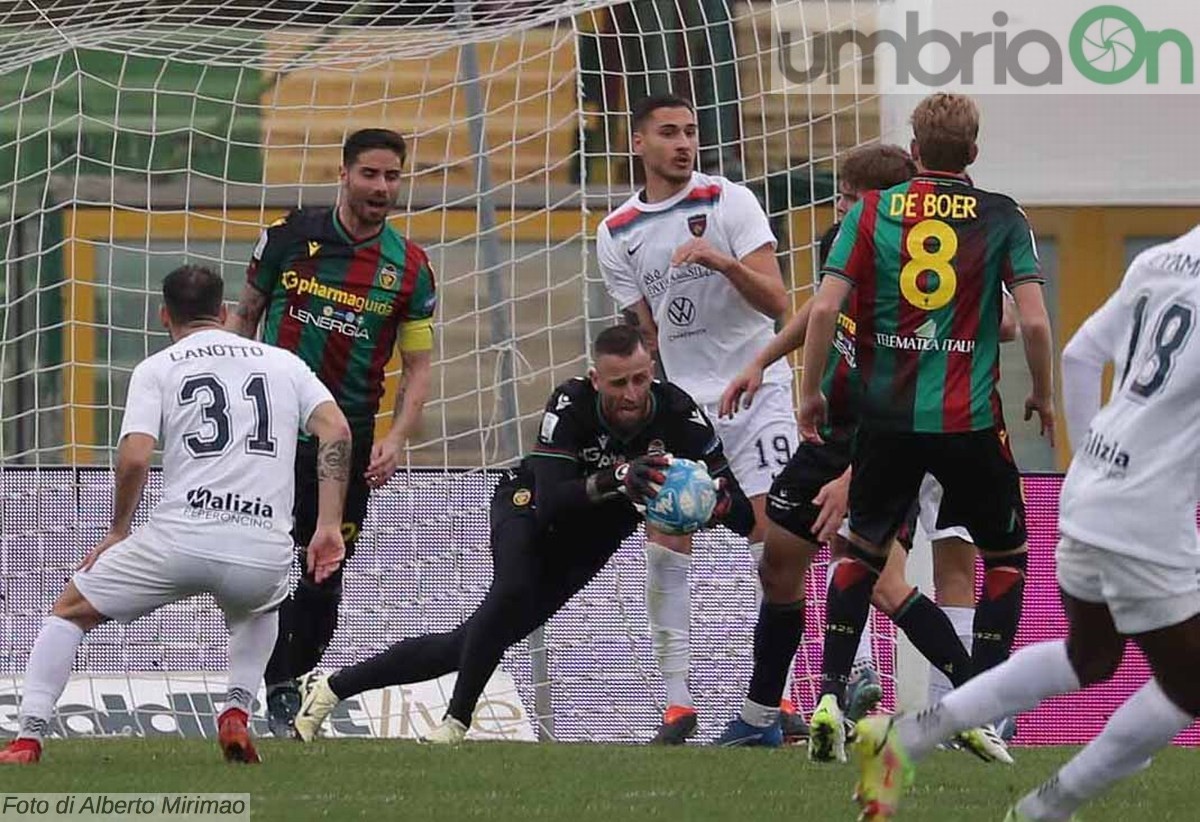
313	620
412	660
846	608
932	633
998	612
776	638
279	667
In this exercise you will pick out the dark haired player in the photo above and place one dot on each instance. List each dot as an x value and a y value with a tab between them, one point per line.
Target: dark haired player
555	521
342	289
225	413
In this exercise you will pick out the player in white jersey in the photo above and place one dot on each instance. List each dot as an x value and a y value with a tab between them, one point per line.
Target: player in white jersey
226	412
1128	557
690	260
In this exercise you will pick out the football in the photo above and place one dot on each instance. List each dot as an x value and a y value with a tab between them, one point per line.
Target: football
685	501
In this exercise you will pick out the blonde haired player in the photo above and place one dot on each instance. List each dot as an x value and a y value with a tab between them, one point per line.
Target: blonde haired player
226	412
926	262
1128	556
690	260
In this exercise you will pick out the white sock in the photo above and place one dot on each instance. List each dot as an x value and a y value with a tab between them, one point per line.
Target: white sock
757	549
1029	676
251	641
760	716
963	620
46	675
1146	722
863	656
668	604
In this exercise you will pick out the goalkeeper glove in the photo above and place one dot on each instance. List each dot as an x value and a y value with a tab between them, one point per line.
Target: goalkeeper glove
638	479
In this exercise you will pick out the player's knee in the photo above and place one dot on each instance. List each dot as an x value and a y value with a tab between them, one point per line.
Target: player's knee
860	568
1004	575
890	594
73	607
954	572
1095	660
783	566
1181	687
780	580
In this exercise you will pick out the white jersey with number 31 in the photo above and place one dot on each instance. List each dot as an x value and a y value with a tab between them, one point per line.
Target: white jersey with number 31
1134	481
226	412
707	331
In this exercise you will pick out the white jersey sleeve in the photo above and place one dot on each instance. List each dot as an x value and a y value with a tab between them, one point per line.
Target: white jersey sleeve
744	221
619	277
143	406
1083	361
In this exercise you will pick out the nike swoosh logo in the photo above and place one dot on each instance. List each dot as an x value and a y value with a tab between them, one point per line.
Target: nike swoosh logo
634	248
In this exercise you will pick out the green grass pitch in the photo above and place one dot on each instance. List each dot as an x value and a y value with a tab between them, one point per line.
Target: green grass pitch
356	779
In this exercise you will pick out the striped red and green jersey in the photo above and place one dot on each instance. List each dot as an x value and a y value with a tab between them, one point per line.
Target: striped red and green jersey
339	304
927	259
839	381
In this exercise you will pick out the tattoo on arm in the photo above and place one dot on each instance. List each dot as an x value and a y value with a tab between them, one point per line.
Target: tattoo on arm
333	461
249	308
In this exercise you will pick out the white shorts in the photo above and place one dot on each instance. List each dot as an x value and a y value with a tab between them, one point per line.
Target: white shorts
1142	595
930	505
759	440
146	571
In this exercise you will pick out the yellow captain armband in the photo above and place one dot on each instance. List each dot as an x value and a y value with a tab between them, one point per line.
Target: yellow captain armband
416	335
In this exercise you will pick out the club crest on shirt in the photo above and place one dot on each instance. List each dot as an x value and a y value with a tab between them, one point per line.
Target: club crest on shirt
521	497
387	277
697	223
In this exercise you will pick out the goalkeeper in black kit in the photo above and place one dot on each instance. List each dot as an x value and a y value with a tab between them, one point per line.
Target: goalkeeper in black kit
555	521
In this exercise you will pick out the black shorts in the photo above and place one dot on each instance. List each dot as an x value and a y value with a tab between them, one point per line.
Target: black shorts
304	509
790	500
980	482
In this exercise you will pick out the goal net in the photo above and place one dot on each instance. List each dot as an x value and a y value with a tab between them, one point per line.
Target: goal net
135	136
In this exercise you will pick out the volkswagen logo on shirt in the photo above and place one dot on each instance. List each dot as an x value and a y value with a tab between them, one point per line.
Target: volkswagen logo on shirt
681	311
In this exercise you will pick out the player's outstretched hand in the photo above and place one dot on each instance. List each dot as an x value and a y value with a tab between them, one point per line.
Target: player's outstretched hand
385	458
701	252
644	476
110	539
812	417
740	391
1044	408
833	499
325	552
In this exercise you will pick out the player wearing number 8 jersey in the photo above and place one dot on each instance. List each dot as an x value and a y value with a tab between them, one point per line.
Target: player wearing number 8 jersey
926	261
1129	553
